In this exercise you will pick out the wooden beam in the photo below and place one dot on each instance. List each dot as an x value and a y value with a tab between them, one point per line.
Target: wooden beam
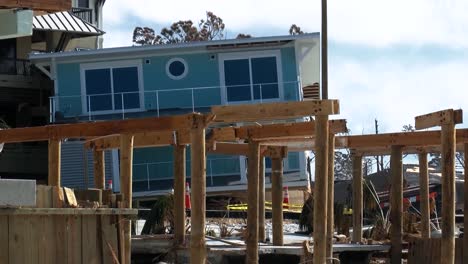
424	194
99	169
465	212
239	149
271	131
439	118
448	193
357	197
261	200
179	193
273	111
54	162
331	195
396	204
101	128
277	200
126	160
252	201
198	179
320	189
40	5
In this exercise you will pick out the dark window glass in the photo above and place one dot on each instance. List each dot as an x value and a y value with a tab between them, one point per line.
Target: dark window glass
98	90
83	3
237	79
265	78
126	86
267	163
176	68
8	56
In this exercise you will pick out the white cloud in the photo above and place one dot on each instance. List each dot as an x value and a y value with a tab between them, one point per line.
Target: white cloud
370	22
395	94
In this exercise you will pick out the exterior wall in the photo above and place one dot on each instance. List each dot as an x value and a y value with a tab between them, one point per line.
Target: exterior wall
153	167
15	23
203	75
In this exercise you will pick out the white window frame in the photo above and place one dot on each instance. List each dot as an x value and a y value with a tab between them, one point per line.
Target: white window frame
111	65
250	55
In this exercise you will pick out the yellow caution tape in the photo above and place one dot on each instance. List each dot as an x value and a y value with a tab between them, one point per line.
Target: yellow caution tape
293	208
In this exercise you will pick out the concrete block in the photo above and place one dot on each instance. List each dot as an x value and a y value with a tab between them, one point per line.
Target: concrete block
17	193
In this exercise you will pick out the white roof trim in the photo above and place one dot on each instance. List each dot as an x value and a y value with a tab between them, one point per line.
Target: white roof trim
65	22
168	47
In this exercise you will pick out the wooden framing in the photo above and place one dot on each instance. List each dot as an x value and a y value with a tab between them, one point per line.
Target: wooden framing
54	162
99	169
424	194
320	189
447	119
252	209
179	193
40	5
396	204
261	199
357	197
277	199
274	111
331	195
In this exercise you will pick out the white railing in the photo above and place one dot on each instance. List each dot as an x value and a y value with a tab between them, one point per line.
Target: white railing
146	167
161	99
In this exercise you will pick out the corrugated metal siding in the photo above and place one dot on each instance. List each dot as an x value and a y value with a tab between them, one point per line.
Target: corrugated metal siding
76	164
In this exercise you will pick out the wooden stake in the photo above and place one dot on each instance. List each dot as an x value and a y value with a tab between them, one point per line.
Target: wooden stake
99	170
179	193
465	237
448	193
198	179
331	195
54	162
261	200
357	197
424	194
252	204
126	160
277	200
320	189
396	203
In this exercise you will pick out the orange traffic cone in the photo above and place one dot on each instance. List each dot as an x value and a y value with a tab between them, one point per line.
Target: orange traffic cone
188	205
285	198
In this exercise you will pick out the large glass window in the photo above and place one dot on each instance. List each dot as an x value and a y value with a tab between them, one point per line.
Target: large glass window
249	79
107	89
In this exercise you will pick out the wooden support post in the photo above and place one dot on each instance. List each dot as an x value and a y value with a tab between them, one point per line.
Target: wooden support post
448	193
126	160
396	203
99	170
465	237
198	179
277	200
252	204
320	189
331	195
54	162
357	197
179	193
424	194
261	200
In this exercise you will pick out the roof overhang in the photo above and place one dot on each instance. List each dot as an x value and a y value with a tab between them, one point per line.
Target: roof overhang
65	22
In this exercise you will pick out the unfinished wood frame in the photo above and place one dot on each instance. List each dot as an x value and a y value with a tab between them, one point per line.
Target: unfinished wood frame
357	197
447	119
396	203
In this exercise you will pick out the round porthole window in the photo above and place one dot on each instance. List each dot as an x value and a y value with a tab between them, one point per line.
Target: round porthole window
176	68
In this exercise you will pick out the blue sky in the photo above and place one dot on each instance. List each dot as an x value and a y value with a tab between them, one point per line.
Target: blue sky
390	60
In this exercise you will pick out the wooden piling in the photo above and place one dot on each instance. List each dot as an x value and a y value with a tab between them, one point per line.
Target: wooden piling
277	200
252	207
424	194
396	203
320	189
261	200
331	195
465	237
448	193
126	160
99	170
357	197
198	194
179	193
54	162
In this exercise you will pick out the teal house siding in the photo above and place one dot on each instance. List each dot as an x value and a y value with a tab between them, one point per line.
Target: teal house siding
290	74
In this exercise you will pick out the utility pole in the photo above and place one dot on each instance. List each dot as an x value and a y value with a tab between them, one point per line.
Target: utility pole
324	45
